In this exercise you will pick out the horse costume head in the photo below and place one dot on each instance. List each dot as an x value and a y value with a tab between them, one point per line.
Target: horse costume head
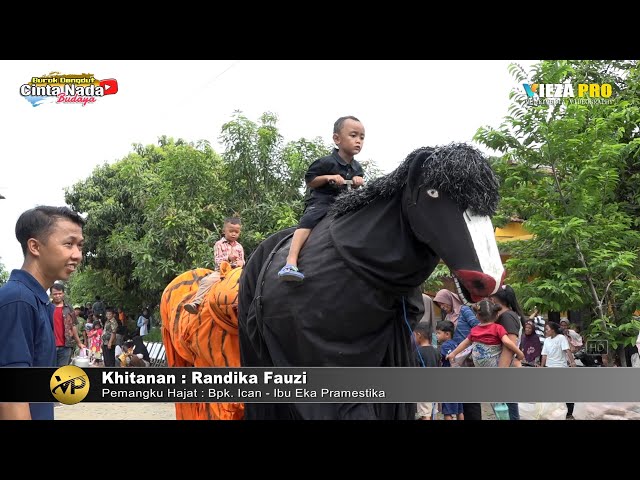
364	266
448	196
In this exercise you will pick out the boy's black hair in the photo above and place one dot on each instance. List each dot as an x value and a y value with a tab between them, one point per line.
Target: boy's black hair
38	222
424	329
337	126
233	220
58	286
446	326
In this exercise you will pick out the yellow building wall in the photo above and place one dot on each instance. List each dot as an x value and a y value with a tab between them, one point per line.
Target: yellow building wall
512	231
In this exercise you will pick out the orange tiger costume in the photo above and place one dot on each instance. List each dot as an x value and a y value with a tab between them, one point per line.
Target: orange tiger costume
208	339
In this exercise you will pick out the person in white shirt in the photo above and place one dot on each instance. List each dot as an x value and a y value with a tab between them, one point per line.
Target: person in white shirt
556	351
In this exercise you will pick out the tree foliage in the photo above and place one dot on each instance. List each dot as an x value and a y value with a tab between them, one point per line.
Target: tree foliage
265	176
158	211
4	274
571	171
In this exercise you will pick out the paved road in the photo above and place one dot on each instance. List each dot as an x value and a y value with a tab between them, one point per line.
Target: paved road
115	411
148	411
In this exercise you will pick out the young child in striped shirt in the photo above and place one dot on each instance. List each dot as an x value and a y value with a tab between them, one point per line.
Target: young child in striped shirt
227	249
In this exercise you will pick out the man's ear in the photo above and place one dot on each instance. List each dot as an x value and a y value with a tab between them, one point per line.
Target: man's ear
33	247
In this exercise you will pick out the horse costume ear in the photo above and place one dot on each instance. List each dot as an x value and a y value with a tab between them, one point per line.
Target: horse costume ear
414	176
225	267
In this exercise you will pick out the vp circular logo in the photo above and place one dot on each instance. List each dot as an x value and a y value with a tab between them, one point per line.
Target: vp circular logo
69	384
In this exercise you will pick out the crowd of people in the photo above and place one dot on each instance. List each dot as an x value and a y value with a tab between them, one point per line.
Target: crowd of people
46	331
99	332
491	333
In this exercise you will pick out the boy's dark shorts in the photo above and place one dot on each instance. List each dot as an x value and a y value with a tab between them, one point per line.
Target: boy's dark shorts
452	408
313	213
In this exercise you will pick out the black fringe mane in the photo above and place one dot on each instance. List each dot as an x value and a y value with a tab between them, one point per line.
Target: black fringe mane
459	170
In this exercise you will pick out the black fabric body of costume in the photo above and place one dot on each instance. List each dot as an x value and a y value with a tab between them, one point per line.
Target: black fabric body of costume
363	271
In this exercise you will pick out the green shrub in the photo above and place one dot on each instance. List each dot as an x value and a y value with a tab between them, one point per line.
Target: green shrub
155	335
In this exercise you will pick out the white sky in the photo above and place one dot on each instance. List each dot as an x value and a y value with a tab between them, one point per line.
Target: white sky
402	104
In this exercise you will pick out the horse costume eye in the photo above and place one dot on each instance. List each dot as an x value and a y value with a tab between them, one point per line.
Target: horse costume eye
433	193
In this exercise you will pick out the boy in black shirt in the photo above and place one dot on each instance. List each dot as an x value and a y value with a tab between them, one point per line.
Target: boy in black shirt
322	177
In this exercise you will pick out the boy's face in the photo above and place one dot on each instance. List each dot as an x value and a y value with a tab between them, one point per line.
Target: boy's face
442	336
350	138
232	231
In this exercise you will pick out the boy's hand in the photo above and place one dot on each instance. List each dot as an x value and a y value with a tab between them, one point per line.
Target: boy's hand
233	258
357	181
337	179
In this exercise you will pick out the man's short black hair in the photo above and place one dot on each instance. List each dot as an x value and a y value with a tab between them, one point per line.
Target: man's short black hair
58	286
38	222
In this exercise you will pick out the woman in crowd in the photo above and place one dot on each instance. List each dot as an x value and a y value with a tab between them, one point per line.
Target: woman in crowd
511	318
531	344
463	319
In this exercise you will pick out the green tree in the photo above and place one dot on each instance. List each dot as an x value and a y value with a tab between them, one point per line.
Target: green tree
158	211
4	275
266	177
149	216
571	170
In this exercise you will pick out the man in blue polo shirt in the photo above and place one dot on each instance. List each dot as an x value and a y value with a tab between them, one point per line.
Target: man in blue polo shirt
51	240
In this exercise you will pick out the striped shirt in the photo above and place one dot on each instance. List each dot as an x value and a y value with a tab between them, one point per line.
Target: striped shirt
539	323
223	248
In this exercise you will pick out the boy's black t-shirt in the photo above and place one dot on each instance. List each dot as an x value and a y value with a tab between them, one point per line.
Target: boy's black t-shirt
331	165
430	356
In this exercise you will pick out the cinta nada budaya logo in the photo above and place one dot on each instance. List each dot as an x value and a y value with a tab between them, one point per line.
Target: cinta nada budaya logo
69	89
556	93
69	384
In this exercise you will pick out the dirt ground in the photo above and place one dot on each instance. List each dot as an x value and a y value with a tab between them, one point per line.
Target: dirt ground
115	411
144	411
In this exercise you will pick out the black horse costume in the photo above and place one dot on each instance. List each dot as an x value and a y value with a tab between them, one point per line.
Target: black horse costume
364	264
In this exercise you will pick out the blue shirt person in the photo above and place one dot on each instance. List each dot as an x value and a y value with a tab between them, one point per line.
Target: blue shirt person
26	325
51	240
466	321
444	331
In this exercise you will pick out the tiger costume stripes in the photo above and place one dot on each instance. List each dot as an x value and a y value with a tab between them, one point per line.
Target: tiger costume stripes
208	339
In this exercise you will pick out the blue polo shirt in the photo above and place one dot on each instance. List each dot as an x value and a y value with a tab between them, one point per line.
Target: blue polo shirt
26	330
